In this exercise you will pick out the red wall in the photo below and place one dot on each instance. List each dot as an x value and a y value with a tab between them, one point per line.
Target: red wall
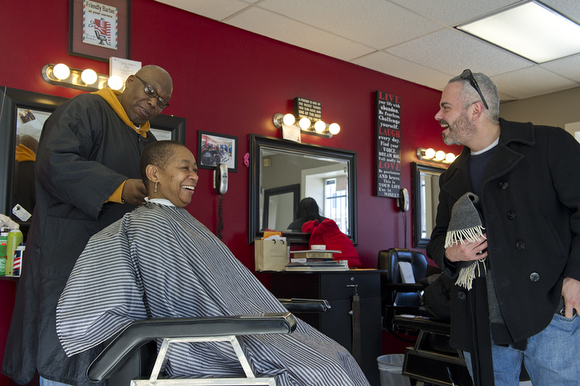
230	81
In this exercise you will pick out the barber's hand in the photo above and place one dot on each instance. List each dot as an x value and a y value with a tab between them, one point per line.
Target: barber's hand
134	192
571	294
476	250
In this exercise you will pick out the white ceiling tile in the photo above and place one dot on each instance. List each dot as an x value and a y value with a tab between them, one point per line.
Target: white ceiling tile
403	69
451	51
376	23
214	9
296	33
568	8
452	12
568	67
518	83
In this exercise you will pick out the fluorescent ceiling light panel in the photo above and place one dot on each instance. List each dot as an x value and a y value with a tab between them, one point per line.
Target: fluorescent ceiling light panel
531	30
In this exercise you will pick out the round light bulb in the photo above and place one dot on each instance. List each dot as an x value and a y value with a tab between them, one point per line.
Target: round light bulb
115	82
440	155
334	128
319	126
61	71
450	157
288	119
304	123
89	76
429	153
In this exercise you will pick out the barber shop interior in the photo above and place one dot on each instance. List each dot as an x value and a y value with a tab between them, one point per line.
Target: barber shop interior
275	192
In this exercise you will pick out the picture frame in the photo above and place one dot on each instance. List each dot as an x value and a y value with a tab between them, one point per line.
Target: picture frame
213	149
99	29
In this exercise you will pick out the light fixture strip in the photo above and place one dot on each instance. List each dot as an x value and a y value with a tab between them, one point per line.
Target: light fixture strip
531	30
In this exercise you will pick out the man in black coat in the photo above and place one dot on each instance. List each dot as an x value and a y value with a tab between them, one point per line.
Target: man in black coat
87	177
523	295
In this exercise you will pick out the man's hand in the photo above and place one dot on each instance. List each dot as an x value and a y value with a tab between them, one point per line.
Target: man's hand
476	250
571	294
134	192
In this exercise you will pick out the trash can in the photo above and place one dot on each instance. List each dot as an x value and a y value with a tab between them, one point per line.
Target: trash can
390	369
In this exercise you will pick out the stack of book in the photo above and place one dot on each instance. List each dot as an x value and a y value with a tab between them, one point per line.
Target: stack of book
315	260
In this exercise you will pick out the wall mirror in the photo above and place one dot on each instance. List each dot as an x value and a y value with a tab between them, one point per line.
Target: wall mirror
284	172
425	201
24	112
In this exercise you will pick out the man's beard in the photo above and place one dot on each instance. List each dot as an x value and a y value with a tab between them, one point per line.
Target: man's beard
459	131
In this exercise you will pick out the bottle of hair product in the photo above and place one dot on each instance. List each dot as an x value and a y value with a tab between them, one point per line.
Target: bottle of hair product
14	240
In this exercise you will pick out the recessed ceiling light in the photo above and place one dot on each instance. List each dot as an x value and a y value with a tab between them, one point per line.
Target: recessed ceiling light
531	30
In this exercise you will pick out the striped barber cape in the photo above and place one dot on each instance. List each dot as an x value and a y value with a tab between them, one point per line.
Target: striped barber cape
159	261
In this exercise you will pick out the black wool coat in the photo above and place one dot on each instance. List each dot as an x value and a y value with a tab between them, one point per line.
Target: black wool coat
530	205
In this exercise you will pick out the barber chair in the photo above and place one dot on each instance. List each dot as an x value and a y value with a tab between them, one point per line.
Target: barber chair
431	359
397	296
129	358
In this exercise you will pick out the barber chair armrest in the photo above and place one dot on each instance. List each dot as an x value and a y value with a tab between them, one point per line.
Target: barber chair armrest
297	305
403	287
428	324
140	332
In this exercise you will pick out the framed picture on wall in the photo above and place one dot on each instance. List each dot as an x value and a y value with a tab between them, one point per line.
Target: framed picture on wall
99	29
214	149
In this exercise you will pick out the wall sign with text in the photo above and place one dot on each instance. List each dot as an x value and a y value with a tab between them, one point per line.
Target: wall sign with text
387	144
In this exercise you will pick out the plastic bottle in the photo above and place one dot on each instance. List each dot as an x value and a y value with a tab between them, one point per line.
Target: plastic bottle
14	240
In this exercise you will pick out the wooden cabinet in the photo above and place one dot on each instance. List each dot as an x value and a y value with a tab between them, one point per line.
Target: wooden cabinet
339	323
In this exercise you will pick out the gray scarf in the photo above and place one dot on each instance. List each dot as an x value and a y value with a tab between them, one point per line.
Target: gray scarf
466	226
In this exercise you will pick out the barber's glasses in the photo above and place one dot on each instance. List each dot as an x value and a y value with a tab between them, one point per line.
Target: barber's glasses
466	74
151	93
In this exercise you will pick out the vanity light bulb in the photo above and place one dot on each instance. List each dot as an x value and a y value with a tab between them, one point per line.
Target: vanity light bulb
440	155
115	82
319	126
334	128
304	123
429	153
450	157
61	71
89	76
288	119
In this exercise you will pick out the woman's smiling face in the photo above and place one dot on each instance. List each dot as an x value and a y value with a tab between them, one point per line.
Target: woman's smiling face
178	178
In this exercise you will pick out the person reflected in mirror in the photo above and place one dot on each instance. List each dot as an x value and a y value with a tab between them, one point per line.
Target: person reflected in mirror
168	265
87	177
308	210
24	192
508	232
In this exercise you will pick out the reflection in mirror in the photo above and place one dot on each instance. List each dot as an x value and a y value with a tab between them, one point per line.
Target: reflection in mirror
425	201
289	172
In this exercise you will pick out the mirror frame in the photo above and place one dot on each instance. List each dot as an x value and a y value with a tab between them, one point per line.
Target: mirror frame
256	144
418	241
11	99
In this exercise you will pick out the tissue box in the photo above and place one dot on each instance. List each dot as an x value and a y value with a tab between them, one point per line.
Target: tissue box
271	255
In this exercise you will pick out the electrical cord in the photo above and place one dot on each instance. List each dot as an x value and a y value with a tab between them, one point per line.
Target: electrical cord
220	222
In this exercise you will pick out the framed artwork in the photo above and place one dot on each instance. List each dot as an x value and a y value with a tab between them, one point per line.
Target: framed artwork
214	149
99	29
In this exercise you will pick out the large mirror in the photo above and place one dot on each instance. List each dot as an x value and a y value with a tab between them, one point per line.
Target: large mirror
425	201
23	113
282	173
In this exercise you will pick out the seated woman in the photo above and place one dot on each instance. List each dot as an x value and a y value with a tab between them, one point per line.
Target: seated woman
308	210
159	261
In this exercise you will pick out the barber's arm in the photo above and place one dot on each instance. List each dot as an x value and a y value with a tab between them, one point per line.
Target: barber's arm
63	163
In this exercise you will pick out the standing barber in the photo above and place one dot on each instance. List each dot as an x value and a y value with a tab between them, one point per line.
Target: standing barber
87	177
522	299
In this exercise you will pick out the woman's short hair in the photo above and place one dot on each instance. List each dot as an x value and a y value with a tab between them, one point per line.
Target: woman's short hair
156	153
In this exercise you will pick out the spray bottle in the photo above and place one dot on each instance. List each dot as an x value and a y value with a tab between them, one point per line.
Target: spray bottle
14	240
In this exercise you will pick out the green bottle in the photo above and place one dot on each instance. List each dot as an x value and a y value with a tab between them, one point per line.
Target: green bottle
14	240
